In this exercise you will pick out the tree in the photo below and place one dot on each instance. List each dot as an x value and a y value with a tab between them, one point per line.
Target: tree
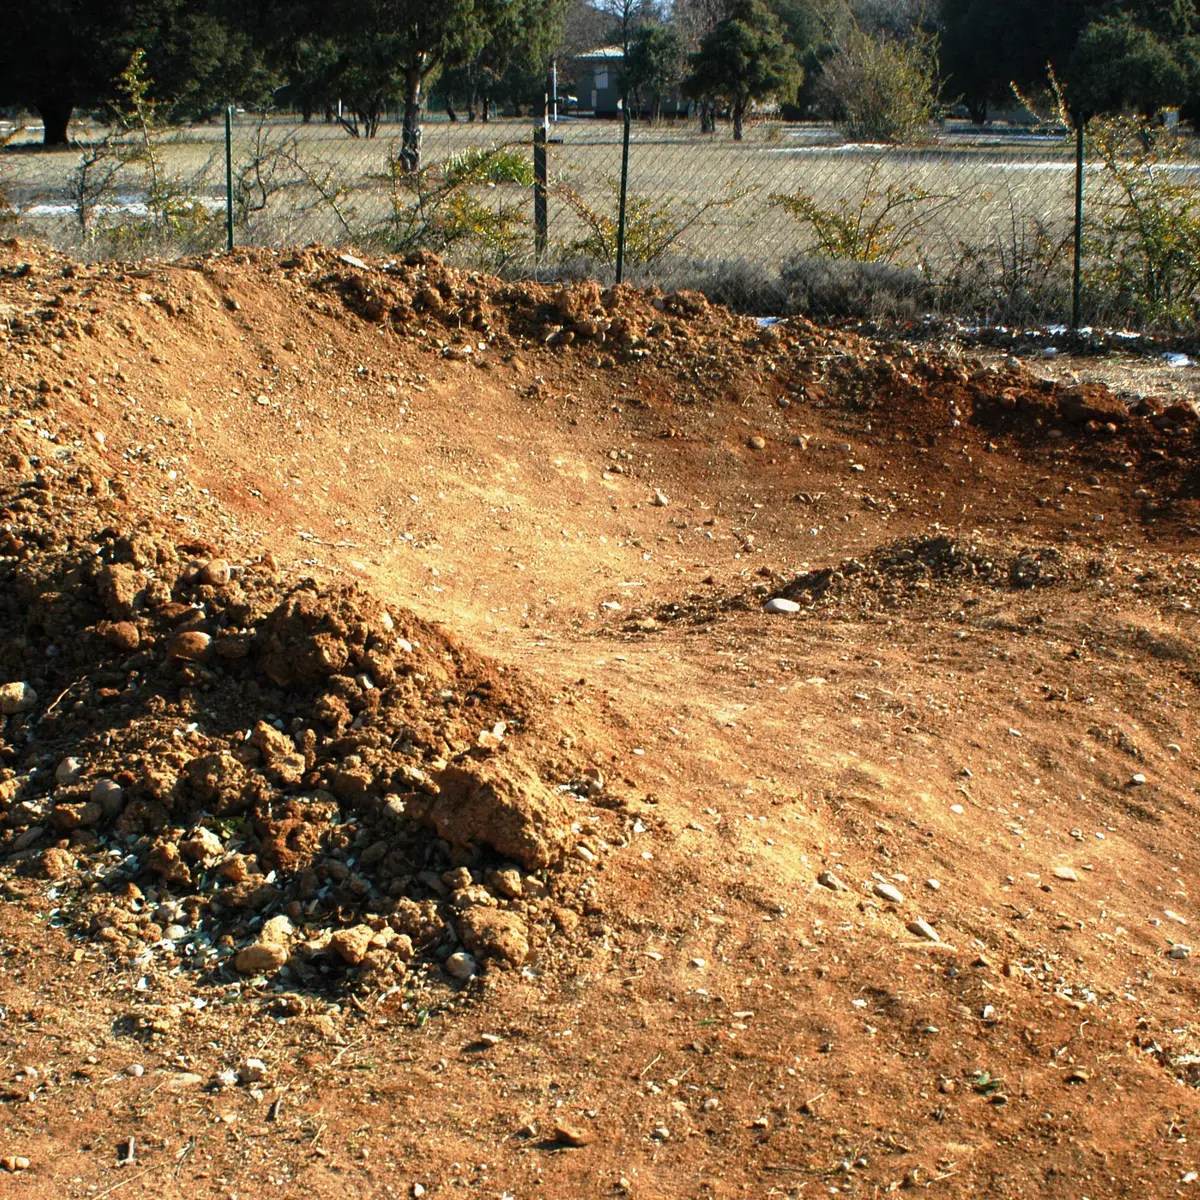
653	65
512	58
627	17
743	58
1119	65
59	55
988	45
882	89
815	28
385	50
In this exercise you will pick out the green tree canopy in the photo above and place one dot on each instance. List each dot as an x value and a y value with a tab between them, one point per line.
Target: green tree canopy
1119	65
60	55
988	45
374	52
653	65
1139	55
1114	55
743	58
510	61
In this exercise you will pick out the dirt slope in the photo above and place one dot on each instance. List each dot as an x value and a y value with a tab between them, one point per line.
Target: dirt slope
393	615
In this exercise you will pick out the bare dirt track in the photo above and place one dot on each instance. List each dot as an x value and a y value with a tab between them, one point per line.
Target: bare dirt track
391	615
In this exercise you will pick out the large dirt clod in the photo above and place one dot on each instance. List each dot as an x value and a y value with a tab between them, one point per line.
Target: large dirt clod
499	804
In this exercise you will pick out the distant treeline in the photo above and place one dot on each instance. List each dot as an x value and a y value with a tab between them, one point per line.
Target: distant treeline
352	60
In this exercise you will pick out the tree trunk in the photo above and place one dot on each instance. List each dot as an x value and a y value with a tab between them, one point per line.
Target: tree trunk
371	117
451	115
739	115
708	117
55	112
410	135
485	109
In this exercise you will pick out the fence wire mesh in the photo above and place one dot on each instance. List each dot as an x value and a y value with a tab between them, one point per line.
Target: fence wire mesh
975	223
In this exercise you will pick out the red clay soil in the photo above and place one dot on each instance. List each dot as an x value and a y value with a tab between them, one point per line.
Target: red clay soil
407	789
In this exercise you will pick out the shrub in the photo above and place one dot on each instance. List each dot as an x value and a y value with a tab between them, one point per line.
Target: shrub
876	226
880	89
1143	237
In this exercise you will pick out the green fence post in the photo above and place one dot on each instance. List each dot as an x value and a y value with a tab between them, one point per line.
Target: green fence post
229	178
540	187
624	193
1077	281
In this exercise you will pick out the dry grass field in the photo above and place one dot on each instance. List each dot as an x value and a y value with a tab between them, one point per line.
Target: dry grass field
977	190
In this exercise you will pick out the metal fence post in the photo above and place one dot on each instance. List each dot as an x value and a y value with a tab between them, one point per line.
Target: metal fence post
229	178
624	194
1077	280
540	187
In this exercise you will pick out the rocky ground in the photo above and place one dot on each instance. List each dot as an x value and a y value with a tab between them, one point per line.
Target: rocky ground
467	737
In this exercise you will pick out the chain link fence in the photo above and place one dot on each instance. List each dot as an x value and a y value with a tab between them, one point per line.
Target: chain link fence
978	224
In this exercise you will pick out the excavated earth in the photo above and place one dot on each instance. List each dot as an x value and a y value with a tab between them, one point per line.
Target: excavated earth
471	738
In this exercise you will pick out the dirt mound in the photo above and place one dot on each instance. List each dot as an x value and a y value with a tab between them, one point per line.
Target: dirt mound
263	807
196	749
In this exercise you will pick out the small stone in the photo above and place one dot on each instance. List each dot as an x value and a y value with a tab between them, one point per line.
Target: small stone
190	646
923	929
1179	952
225	1080
351	945
108	794
202	847
216	573
253	1070
461	965
780	604
659	501
1137	780
933	885
458	878
1078	1075
183	1080
418	1191
756	442
68	772
828	879
14	1163
502	936
885	891
135	1070
507	881
124	635
572	1135
16	698
278	931
260	958
661	1133
1067	874
57	862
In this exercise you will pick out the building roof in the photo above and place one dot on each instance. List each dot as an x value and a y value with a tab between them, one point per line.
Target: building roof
603	54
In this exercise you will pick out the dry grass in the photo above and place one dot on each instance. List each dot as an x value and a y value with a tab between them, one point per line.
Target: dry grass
993	241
